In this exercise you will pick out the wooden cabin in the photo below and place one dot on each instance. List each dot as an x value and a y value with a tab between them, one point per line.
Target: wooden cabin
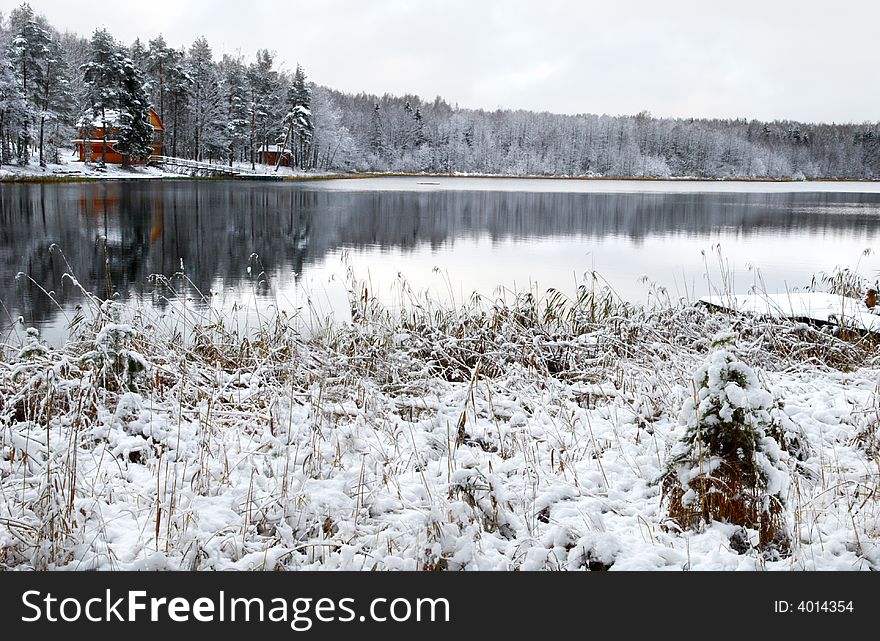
90	143
268	155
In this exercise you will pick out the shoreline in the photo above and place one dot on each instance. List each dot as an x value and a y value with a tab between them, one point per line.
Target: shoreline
14	178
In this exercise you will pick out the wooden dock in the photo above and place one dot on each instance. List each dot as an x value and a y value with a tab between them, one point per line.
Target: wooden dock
205	168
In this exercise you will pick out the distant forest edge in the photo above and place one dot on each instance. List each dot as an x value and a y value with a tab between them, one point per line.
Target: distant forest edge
52	81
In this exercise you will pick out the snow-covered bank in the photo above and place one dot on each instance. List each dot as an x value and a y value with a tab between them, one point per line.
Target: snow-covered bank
78	170
368	181
531	436
74	170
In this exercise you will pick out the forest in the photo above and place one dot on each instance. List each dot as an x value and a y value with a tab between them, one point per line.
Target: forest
54	84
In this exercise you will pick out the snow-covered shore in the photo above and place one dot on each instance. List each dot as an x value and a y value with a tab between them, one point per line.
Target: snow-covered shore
528	437
74	170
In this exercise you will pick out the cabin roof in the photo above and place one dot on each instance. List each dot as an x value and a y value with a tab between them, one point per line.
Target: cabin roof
111	116
274	149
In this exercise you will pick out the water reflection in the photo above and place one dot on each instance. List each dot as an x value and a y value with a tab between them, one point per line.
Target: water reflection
114	235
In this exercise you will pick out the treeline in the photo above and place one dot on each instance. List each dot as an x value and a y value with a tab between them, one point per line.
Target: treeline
224	110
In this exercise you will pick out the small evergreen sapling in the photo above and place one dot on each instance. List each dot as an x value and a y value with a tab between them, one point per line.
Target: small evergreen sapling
116	364
33	347
728	466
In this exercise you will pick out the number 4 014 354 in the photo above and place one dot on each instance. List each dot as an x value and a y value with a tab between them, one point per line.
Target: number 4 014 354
811	607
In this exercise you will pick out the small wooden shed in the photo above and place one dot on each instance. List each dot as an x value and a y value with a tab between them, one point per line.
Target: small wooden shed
268	155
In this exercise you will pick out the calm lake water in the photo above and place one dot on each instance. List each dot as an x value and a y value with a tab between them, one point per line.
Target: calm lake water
250	246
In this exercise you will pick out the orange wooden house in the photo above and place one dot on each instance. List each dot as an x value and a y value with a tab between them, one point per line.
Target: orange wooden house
268	155
90	143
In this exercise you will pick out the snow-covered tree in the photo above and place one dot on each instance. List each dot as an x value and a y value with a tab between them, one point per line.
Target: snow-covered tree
377	136
334	146
299	119
728	467
13	107
177	92
135	133
138	54
28	52
159	57
209	115
234	74
57	104
263	87
117	97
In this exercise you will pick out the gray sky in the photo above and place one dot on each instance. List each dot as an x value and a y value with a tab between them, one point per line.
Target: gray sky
767	59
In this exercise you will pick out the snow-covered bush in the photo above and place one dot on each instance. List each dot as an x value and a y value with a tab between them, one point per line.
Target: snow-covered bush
728	466
33	347
114	361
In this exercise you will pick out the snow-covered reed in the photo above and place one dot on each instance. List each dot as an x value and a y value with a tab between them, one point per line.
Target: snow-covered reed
528	433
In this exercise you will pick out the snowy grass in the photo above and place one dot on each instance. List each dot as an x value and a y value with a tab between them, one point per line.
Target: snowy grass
529	433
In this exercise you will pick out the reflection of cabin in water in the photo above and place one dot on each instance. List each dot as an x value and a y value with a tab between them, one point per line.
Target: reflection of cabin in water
268	155
90	143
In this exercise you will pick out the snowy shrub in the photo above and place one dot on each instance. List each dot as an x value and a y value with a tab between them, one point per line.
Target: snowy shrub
728	466
115	363
33	347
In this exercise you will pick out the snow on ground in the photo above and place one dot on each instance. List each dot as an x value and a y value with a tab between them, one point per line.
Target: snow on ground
72	169
80	170
452	440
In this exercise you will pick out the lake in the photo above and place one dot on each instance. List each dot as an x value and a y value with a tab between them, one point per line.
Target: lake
248	247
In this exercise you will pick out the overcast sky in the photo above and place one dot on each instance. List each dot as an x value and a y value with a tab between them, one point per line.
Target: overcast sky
766	59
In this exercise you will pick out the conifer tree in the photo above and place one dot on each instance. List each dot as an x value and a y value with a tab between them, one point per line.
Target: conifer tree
28	52
159	57
208	113
103	75
299	119
135	133
13	107
263	86
234	75
57	100
117	97
178	90
730	465
377	142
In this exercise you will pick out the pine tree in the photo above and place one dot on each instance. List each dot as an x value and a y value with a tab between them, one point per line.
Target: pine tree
263	86
116	96
178	90
13	107
103	75
377	142
299	119
234	75
135	134
418	131
159	57
138	54
28	51
208	113
57	99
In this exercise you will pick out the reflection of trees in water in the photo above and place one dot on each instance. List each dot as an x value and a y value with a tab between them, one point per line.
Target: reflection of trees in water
214	228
